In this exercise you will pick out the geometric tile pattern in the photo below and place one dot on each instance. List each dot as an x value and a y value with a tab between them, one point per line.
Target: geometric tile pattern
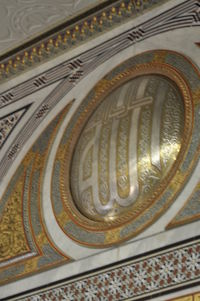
142	277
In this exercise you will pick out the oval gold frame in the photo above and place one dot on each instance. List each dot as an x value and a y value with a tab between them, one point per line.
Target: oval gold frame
102	89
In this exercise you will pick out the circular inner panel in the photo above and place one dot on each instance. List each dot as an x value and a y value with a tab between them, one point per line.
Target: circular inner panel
127	147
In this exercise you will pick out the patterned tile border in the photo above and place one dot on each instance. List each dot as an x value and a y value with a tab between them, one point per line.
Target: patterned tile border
137	279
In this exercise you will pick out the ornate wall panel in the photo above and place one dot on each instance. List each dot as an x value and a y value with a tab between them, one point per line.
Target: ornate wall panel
114	214
81	30
24	243
139	81
21	20
140	279
76	69
181	16
100	148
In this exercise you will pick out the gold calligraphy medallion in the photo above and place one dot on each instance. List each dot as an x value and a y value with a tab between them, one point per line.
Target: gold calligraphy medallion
126	152
127	147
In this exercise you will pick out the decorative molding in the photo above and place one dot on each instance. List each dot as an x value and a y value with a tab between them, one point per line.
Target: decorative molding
74	70
96	233
35	163
183	15
185	298
13	241
145	276
21	225
21	20
98	23
138	279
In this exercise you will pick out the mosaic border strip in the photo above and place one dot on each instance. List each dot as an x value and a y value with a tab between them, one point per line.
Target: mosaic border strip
150	275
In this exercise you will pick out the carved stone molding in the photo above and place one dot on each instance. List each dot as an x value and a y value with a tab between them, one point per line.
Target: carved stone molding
140	279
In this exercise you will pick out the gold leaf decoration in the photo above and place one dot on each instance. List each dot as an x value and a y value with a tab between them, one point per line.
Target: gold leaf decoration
63	218
197	297
196	97
113	235
31	265
159	56
12	237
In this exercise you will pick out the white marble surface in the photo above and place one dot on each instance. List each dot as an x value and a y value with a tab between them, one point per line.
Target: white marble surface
104	258
21	20
94	42
162	41
155	236
65	244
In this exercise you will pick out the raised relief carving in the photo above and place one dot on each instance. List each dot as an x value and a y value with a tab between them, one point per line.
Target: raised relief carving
127	147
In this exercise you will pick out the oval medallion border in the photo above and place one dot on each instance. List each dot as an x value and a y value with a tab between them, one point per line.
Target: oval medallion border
102	234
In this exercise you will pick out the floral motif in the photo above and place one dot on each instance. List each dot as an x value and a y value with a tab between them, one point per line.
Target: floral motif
12	237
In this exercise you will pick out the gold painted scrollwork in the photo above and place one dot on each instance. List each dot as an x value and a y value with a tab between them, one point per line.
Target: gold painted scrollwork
12	237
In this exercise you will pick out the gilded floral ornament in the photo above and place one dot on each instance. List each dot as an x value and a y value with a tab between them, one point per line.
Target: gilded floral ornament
13	241
24	244
133	141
